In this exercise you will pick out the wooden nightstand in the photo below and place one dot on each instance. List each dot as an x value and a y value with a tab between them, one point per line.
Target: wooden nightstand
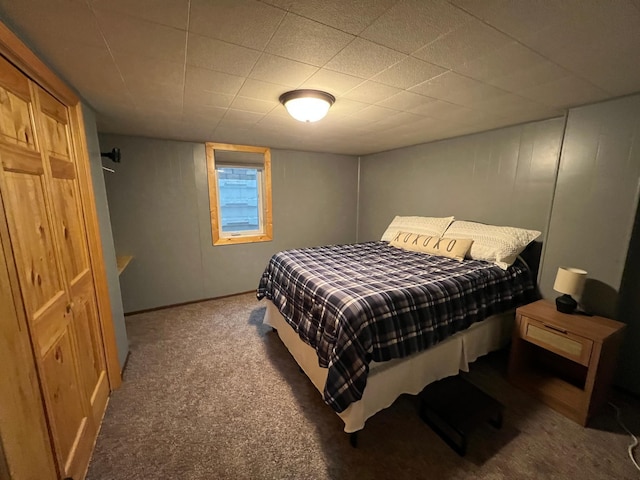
566	361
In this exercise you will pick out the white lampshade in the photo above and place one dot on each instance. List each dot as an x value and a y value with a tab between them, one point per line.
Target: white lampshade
570	281
307	105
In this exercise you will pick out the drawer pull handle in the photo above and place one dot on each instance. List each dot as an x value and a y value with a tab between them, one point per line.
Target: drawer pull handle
551	327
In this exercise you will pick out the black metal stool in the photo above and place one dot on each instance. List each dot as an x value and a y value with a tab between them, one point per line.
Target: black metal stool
453	407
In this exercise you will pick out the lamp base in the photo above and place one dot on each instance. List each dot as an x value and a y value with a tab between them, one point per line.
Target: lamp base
566	304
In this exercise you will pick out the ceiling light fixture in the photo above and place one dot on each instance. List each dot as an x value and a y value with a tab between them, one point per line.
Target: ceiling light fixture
307	105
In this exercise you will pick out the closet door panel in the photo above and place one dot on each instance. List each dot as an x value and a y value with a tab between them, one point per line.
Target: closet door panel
33	246
74	251
92	362
72	239
66	416
16	126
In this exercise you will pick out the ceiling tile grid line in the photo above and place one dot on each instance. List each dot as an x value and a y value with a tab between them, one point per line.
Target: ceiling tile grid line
525	45
110	53
285	57
402	71
249	75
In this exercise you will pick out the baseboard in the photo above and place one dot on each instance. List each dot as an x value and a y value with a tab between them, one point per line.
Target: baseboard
126	362
163	307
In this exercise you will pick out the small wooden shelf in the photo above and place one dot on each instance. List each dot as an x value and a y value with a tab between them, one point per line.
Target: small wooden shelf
122	261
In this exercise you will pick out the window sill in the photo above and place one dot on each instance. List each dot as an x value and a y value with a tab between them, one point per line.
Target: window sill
242	239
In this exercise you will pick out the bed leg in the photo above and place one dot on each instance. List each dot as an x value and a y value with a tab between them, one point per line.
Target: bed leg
353	439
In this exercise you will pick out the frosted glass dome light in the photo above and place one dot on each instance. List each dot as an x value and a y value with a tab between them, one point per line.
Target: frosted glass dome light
307	105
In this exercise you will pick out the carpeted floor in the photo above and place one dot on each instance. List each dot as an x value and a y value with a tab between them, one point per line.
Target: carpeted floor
211	393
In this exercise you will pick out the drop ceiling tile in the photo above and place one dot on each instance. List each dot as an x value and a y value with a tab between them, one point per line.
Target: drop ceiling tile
136	36
519	18
351	17
161	91
507	59
344	106
471	116
456	88
107	106
399	120
100	74
371	92
74	22
244	22
405	101
411	24
365	59
221	56
242	116
374	113
138	67
566	92
194	98
408	72
212	81
438	109
231	133
154	106
173	14
512	67
253	105
618	75
342	122
603	43
203	116
335	83
262	90
274	69
275	122
307	41
466	43
510	104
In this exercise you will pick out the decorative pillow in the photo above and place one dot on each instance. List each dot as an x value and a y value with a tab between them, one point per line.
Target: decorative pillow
500	245
423	225
445	247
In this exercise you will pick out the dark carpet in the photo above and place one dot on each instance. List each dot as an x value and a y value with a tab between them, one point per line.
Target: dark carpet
211	393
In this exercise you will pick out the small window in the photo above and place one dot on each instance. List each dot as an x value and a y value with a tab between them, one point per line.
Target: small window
239	193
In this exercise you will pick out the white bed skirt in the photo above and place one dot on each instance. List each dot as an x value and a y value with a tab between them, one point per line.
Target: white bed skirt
388	380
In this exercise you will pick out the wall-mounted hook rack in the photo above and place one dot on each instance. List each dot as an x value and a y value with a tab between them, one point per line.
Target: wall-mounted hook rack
114	155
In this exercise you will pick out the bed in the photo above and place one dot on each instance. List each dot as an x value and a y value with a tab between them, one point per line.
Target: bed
368	322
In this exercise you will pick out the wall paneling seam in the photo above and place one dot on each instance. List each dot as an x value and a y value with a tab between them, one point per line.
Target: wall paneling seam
553	198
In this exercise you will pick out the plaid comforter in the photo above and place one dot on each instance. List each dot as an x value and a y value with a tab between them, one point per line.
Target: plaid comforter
371	301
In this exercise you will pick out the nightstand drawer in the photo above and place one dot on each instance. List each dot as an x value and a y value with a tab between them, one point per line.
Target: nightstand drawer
557	340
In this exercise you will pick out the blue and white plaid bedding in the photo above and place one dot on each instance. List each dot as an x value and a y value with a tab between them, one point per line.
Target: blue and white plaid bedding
371	301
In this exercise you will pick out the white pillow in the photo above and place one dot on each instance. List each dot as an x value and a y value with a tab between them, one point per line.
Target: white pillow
431	226
491	243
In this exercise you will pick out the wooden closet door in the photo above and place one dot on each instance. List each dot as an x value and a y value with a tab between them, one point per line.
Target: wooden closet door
69	228
24	186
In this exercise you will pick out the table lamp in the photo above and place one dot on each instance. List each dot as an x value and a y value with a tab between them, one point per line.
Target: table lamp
569	281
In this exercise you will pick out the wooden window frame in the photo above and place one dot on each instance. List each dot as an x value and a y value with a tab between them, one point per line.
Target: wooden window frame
266	219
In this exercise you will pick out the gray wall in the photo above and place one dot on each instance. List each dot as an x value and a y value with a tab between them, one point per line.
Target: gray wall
596	198
106	235
503	177
159	206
